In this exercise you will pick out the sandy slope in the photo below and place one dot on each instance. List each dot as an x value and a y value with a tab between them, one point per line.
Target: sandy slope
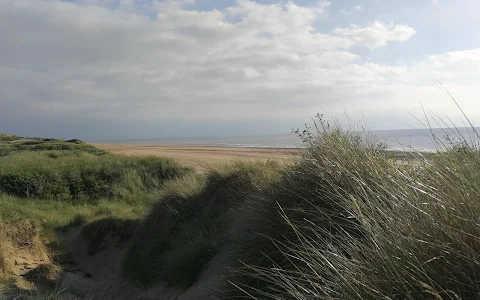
105	280
203	157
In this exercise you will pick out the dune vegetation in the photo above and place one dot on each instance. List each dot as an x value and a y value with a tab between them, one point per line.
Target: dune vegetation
344	220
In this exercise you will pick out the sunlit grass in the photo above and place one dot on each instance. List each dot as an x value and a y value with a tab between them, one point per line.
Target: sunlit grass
348	222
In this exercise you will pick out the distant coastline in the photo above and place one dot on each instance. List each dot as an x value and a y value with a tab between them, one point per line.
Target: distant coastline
395	140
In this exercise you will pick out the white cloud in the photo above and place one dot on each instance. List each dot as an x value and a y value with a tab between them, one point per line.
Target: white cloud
251	73
351	10
377	34
246	62
464	58
275	19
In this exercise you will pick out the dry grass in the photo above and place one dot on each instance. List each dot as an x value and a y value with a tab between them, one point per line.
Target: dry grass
347	222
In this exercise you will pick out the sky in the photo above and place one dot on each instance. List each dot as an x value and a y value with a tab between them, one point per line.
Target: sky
111	69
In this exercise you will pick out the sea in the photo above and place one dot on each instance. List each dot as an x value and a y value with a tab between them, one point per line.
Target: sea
400	139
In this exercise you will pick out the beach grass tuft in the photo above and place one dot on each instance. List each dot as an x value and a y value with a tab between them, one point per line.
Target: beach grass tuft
348	222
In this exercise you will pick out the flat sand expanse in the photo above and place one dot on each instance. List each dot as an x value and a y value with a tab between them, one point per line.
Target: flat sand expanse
204	157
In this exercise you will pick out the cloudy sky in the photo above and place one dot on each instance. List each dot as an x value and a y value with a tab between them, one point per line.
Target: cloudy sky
100	69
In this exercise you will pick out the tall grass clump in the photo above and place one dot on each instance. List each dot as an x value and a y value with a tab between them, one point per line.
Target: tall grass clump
83	177
346	221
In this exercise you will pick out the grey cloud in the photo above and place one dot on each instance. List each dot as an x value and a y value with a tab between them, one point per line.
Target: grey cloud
95	61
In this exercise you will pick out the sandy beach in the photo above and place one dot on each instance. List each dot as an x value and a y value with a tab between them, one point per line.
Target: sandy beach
203	157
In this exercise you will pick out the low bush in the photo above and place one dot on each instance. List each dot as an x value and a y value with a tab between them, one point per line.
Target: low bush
84	177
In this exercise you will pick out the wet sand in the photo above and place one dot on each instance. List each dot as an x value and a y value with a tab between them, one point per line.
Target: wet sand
204	157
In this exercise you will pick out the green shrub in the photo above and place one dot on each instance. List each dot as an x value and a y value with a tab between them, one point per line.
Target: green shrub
86	177
35	184
96	233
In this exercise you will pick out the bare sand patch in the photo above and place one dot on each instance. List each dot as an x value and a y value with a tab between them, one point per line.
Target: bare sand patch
204	157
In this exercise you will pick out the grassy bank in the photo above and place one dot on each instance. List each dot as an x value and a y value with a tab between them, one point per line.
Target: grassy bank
55	184
52	185
10	144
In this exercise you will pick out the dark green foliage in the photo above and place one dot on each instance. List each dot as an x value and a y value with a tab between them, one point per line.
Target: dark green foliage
59	176
77	221
75	141
14	145
34	184
183	266
110	230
